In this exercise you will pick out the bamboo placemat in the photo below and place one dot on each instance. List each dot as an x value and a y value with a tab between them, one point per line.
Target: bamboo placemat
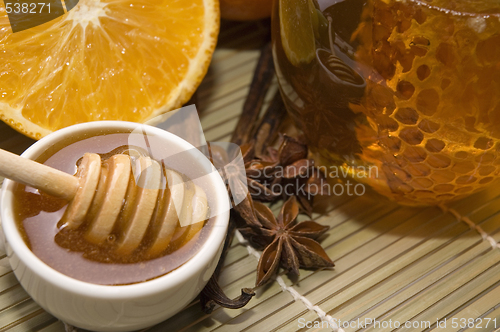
392	263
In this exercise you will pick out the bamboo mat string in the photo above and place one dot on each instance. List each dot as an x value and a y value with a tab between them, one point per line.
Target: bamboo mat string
486	237
332	322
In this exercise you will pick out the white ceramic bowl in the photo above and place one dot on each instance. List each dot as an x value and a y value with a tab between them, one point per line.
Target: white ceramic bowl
112	308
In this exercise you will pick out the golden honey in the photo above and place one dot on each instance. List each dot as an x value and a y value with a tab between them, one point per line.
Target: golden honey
38	216
409	87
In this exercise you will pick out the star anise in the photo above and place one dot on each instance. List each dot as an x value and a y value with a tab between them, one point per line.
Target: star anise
304	186
258	171
252	175
287	243
236	167
270	167
292	172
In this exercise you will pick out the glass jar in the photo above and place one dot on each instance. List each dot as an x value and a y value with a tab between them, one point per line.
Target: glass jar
401	95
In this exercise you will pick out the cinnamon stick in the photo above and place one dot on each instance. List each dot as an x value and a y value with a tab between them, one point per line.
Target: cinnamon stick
263	76
269	124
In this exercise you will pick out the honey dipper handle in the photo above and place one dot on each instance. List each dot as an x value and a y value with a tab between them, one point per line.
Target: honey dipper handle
39	176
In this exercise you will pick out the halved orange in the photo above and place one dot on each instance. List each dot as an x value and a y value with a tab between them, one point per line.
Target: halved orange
105	60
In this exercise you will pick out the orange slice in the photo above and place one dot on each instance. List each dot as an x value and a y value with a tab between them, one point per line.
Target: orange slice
105	60
297	30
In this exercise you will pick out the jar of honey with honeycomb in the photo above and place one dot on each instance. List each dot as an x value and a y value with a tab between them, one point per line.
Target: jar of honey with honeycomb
411	88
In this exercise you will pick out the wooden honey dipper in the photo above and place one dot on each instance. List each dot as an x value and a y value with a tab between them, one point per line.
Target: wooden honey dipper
106	191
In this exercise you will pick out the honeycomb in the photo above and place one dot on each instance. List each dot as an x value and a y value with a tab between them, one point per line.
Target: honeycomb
426	112
432	100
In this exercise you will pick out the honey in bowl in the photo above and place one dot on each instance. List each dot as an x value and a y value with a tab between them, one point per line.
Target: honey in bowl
411	88
75	253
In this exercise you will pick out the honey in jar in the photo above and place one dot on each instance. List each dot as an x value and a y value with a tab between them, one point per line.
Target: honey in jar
409	87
